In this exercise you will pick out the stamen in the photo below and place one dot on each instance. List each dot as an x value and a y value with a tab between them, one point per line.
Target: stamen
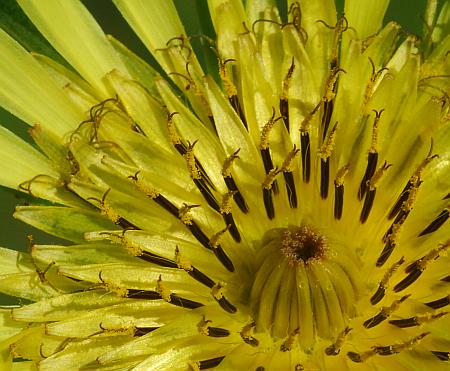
217	294
415	269
289	342
442	356
225	210
218	251
306	155
246	334
210	363
324	155
231	90
391	242
416	320
287	169
264	146
205	329
439	303
437	222
267	192
328	98
184	213
284	99
384	284
372	189
335	348
231	184
339	191
384	313
411	187
372	158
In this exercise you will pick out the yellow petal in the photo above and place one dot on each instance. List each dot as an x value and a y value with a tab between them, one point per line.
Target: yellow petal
74	33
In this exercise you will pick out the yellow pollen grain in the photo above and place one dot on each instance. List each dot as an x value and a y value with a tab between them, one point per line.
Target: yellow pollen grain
340	176
337	345
410	344
185	213
433	255
287	163
374	142
216	291
270	178
264	142
214	241
228	85
327	148
202	326
118	290
190	162
225	207
110	213
182	262
173	134
287	81
390	272
331	84
373	182
387	311
247	331
305	126
289	342
143	187
228	163
163	291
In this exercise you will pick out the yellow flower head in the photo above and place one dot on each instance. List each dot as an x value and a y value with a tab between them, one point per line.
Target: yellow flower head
288	211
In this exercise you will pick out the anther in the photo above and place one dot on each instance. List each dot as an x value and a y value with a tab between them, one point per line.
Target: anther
339	191
370	195
217	294
287	169
384	283
417	320
335	348
190	161
384	313
185	213
284	99
288	344
247	334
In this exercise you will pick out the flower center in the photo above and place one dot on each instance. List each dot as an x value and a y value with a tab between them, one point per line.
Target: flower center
303	245
304	283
